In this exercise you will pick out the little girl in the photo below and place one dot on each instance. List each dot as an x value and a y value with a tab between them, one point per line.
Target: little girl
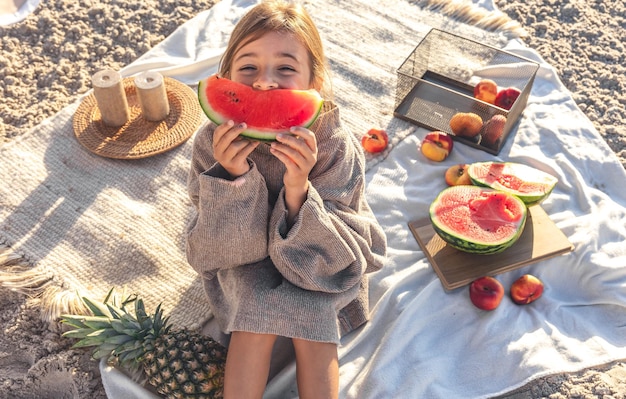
282	234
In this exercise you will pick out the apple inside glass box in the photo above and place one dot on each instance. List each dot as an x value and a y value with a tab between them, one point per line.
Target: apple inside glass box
472	91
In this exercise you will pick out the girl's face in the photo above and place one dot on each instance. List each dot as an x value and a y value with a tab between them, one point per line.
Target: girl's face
273	61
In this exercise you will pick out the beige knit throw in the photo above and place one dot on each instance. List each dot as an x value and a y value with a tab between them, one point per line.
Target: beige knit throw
73	223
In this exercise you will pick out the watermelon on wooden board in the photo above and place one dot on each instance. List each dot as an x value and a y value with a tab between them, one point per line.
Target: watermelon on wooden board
265	112
478	219
531	185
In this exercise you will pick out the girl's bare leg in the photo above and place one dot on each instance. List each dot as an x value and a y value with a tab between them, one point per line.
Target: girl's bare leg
317	369
247	365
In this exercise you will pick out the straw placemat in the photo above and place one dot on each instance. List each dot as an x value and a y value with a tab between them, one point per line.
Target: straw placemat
139	138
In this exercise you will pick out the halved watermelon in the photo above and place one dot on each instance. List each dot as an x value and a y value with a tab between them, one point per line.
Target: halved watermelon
531	185
265	112
478	219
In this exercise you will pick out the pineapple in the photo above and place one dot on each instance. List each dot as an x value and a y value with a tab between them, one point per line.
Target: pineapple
177	363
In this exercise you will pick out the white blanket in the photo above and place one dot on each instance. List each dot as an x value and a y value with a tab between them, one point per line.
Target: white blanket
424	342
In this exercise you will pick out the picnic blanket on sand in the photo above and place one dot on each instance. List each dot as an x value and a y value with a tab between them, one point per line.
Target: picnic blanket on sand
85	223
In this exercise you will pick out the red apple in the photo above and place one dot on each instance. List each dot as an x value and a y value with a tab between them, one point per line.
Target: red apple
375	140
486	293
457	175
526	289
486	90
506	97
466	124
436	146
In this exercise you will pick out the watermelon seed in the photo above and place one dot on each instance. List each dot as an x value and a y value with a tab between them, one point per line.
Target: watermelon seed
233	96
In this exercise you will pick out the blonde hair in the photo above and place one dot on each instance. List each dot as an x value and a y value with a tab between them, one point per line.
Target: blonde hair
280	16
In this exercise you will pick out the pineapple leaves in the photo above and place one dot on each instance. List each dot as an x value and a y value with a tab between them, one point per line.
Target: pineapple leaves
98	309
94	338
95	323
74	321
128	327
78	333
91	322
101	352
140	310
118	340
129	346
129	358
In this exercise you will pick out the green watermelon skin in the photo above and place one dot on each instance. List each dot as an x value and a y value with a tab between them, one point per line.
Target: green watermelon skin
511	177
474	248
459	197
265	112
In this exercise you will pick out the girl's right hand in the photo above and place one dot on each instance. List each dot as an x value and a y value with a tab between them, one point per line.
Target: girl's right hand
232	150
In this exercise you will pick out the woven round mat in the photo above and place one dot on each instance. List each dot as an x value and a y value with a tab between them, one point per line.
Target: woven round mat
139	138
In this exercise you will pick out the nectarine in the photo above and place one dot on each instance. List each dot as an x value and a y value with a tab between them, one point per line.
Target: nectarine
486	293
486	90
466	124
506	97
375	140
526	289
457	175
436	146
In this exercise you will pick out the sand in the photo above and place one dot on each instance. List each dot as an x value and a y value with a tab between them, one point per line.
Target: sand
585	41
47	60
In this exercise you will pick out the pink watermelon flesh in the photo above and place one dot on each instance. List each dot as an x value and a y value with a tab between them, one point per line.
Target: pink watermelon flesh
497	174
478	216
531	185
265	112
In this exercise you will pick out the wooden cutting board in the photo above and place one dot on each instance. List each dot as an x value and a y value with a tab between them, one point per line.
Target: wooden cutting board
540	240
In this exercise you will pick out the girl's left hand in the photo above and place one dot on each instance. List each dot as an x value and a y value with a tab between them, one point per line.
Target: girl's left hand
298	151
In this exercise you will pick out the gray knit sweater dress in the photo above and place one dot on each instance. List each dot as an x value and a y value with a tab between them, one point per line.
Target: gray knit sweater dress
308	281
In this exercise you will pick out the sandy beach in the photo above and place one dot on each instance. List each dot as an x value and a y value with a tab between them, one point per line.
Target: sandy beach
46	63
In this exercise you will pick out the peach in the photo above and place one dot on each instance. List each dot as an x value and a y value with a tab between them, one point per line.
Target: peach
436	146
466	124
375	140
486	90
486	293
457	175
493	129
526	289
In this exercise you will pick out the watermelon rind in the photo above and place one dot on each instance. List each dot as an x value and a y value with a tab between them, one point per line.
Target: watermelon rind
204	103
260	133
539	183
465	242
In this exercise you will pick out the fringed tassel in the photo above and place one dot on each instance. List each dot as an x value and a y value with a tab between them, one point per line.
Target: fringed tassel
39	286
8	257
465	11
56	301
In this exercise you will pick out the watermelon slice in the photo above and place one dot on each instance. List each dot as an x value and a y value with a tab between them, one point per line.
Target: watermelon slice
265	112
478	220
531	185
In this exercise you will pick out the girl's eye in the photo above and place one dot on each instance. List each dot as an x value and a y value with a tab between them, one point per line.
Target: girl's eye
247	68
287	69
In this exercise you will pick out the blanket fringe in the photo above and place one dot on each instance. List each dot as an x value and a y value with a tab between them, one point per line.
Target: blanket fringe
39	286
467	12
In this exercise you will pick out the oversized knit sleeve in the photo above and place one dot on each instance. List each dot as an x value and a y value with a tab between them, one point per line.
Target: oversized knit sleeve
230	215
336	237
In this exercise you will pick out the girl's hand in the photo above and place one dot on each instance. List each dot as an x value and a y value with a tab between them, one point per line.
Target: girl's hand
298	151
232	150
